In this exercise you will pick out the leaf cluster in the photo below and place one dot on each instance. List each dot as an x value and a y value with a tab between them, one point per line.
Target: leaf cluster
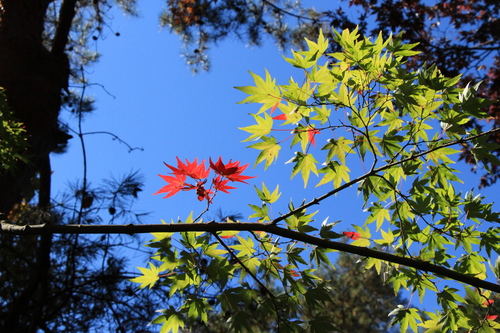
12	139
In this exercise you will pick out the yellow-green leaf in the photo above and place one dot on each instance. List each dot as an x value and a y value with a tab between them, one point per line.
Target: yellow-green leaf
149	276
263	127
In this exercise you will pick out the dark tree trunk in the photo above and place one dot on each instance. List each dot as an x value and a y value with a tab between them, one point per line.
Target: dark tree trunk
34	78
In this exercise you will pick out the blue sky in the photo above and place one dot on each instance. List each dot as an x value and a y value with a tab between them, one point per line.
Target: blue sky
156	103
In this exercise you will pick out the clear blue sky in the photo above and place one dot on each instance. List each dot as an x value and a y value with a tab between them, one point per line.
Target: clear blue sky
159	105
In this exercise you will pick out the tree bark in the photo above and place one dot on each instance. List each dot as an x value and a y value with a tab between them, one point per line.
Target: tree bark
34	78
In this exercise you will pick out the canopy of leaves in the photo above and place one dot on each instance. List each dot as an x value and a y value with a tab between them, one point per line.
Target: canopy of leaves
359	302
421	232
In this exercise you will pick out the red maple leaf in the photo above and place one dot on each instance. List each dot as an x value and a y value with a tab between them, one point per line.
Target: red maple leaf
175	184
311	133
491	317
220	184
231	170
352	234
193	170
280	117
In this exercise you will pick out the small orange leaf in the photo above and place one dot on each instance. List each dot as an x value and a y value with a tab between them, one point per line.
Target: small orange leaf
488	302
352	234
275	106
311	133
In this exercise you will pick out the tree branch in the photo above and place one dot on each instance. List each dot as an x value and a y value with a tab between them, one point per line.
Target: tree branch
213	227
66	15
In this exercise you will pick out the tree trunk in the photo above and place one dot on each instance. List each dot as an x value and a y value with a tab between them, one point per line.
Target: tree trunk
34	78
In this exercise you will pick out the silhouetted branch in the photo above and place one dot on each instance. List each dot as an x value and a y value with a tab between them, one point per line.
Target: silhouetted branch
116	137
214	227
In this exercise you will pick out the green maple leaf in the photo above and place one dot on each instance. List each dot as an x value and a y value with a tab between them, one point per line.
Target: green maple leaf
269	153
379	214
149	276
245	248
338	148
262	127
392	119
266	195
265	92
172	320
305	163
334	172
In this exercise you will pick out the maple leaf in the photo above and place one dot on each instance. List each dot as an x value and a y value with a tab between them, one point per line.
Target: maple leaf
488	302
175	184
280	117
352	234
311	133
193	170
220	184
292	272
275	106
231	170
228	233
304	163
270	150
148	277
263	127
491	317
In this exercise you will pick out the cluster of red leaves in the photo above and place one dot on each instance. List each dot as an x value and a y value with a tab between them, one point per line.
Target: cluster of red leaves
198	172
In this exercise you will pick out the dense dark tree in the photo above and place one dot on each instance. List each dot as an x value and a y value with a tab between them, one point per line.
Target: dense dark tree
82	285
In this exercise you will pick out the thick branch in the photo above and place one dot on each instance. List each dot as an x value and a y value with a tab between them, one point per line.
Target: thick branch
131	229
66	15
